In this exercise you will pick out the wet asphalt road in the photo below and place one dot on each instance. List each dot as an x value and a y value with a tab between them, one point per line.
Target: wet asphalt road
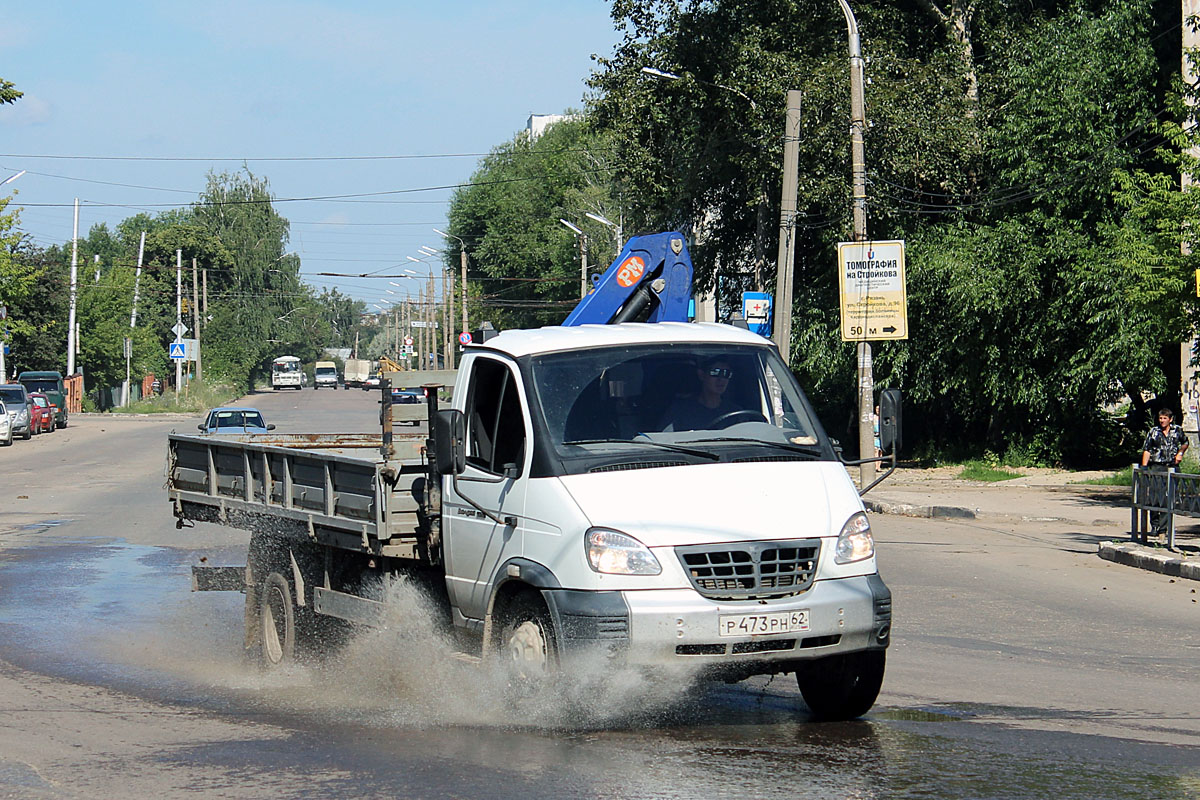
1022	666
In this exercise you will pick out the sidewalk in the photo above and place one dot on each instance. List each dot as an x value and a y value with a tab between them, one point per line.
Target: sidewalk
1040	495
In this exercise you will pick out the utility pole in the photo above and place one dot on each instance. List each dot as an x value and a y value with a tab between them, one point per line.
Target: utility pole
447	355
866	377
463	260
451	339
71	345
178	319
137	279
196	321
785	271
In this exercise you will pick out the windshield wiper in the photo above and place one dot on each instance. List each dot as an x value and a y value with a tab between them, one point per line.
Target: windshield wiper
688	450
810	450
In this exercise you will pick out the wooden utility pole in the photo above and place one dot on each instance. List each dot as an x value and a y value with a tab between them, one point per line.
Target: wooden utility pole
785	269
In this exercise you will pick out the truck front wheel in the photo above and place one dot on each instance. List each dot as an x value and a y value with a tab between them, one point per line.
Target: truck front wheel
278	619
844	686
527	643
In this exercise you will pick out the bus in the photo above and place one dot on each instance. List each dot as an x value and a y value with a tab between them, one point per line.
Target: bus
287	373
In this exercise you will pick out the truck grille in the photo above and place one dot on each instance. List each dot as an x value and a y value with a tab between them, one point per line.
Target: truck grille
753	570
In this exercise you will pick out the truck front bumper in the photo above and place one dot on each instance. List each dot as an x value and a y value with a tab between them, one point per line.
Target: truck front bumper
673	627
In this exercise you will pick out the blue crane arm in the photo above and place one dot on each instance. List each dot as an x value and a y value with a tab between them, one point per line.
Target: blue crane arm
652	272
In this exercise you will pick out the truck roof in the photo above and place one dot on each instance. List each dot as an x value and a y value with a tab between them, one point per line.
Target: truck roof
550	339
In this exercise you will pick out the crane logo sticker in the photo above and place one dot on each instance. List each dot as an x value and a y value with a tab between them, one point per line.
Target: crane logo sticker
630	272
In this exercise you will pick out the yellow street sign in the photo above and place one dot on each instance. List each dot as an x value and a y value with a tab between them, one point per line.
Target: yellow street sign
874	299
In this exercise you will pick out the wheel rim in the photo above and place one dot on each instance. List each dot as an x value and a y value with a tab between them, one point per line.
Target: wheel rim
527	649
274	620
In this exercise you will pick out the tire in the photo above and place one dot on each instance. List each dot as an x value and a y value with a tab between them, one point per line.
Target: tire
527	644
277	621
28	433
842	687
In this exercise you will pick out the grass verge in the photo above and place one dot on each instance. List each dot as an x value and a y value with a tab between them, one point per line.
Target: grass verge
199	397
983	471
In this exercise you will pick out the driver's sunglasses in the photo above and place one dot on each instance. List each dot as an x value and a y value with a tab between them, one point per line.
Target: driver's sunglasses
720	372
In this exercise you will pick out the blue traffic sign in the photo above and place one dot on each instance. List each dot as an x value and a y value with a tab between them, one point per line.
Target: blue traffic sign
464	337
178	351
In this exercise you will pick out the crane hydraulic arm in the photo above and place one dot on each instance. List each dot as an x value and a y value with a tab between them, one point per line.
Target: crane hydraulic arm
651	281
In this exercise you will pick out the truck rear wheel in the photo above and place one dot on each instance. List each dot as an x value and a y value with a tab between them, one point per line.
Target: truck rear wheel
842	687
527	643
277	615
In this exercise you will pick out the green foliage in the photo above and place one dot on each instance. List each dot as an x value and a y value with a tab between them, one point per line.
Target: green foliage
9	92
524	263
1042	214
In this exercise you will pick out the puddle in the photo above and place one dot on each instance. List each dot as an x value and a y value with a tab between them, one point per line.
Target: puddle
112	614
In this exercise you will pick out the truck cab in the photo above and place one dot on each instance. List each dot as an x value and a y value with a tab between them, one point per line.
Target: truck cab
325	374
594	504
52	385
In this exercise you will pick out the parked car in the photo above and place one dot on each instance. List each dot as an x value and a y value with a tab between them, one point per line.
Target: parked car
372	381
41	413
6	432
52	385
16	399
231	419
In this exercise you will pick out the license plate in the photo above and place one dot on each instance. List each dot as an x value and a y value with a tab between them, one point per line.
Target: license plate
761	624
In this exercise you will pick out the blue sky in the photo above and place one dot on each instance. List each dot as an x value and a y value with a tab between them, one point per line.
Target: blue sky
185	88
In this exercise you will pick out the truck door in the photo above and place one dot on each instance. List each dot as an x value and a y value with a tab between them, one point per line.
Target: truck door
496	476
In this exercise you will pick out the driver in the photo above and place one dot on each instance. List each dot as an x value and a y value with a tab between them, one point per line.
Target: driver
698	411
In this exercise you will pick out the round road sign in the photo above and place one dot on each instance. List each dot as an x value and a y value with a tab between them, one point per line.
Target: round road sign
464	337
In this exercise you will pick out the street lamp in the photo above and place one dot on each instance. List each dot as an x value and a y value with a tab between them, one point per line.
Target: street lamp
3	373
671	76
582	238
462	250
615	226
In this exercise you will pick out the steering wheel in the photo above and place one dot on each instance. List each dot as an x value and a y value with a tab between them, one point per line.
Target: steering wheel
734	417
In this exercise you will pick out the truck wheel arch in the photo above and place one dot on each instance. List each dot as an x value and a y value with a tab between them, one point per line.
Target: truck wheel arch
515	578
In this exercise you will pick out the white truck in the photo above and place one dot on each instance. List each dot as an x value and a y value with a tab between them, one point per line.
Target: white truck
573	500
355	372
325	374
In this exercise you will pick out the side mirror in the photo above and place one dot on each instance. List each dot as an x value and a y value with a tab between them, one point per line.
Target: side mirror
890	404
449	439
200	427
270	427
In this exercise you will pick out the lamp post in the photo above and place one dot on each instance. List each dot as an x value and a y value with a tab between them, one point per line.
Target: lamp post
866	377
609	223
462	249
582	238
3	372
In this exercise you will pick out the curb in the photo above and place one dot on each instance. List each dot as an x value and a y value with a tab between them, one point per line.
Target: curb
1154	560
928	512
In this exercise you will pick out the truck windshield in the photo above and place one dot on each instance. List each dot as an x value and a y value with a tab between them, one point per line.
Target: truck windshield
42	385
704	396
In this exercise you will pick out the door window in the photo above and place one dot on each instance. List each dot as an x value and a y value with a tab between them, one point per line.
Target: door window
495	421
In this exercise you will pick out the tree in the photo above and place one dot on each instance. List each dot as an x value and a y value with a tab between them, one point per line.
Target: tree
524	262
997	143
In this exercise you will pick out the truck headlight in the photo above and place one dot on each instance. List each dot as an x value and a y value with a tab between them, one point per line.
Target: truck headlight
616	553
854	542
